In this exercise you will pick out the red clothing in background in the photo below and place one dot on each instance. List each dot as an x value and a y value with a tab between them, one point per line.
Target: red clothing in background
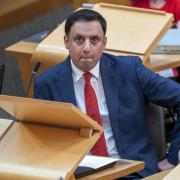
171	6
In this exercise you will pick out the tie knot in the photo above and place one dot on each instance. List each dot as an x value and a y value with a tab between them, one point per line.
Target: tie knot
87	77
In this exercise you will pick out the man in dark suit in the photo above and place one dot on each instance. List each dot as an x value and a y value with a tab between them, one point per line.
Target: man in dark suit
122	87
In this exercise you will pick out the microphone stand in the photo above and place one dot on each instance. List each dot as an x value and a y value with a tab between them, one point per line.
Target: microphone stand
34	71
2	69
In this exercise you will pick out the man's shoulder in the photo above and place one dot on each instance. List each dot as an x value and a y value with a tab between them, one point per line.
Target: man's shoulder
121	60
53	72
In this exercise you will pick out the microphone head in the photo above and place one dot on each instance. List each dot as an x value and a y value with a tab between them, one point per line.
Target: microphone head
34	71
36	67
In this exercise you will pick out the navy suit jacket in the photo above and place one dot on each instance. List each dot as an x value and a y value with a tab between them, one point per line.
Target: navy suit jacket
128	85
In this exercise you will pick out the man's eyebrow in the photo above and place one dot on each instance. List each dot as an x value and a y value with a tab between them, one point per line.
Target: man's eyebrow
82	35
78	34
95	36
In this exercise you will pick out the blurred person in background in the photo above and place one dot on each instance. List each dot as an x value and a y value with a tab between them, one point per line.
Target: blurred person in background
170	6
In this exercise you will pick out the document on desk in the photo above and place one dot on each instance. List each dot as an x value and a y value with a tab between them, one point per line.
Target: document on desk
91	164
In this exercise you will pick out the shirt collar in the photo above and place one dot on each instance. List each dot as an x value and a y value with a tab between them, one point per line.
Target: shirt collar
77	73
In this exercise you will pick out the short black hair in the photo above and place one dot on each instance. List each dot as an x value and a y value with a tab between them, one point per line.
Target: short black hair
85	15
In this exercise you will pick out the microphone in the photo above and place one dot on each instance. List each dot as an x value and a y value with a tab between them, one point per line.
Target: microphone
2	69
34	71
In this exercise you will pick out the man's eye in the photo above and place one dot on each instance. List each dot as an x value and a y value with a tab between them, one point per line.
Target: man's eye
94	40
79	40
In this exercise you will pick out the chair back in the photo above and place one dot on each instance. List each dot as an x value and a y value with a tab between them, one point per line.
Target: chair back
157	129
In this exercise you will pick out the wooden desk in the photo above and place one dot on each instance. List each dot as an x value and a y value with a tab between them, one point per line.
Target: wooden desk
117	171
13	12
171	174
23	52
160	62
174	174
158	176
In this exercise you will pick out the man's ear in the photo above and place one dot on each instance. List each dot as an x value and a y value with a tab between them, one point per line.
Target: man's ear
66	41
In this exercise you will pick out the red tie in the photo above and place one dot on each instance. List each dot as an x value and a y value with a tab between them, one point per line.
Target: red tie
92	110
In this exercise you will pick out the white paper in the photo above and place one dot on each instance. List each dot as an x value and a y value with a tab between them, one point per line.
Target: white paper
96	161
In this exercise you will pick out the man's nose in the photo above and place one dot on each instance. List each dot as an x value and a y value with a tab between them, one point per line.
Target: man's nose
87	45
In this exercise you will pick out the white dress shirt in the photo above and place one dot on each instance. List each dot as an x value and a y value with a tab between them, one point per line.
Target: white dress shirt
96	82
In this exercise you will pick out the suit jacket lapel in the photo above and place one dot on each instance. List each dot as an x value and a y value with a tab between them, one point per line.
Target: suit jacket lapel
111	91
65	83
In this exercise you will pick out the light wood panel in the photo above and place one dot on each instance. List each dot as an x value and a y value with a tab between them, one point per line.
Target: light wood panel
158	176
4	125
130	32
160	62
47	112
174	174
39	152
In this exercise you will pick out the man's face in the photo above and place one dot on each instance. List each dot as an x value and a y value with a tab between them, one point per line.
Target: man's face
85	42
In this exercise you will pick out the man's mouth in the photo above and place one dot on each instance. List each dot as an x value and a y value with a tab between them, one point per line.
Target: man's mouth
86	57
